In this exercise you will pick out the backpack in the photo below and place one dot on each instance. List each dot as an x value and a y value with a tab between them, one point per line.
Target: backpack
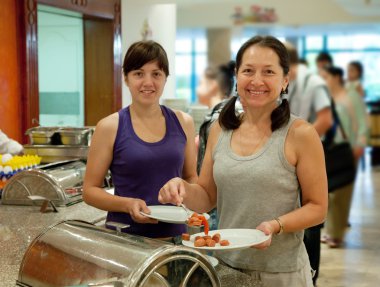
204	131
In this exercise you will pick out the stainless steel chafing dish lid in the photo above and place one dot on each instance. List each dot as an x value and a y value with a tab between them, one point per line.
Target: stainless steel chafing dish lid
77	253
59	182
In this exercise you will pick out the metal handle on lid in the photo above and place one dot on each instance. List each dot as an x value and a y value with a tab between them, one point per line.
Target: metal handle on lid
119	226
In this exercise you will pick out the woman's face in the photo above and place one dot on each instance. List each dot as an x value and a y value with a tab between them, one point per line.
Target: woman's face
260	77
147	83
352	73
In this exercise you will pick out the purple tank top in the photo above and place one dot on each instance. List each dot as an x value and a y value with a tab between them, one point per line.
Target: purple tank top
139	169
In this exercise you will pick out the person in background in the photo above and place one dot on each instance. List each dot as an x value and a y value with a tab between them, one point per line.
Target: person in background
8	145
303	61
309	99
257	166
352	116
214	90
216	84
144	140
355	77
355	73
222	81
323	60
308	95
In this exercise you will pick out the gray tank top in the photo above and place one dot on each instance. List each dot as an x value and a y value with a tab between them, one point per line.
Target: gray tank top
257	188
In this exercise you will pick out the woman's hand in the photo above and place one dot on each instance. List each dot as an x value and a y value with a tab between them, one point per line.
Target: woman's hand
172	192
135	206
268	229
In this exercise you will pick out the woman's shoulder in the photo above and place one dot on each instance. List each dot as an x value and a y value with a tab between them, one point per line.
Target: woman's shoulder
300	130
109	123
300	140
184	118
215	131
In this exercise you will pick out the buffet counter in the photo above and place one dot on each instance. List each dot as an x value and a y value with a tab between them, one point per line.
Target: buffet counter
20	225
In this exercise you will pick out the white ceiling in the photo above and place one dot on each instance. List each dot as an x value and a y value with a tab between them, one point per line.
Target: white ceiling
297	16
361	7
355	7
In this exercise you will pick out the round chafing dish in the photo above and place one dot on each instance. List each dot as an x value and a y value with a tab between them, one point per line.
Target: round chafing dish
60	183
77	253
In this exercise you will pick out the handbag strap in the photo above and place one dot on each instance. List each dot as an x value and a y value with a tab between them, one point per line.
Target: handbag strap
330	134
336	118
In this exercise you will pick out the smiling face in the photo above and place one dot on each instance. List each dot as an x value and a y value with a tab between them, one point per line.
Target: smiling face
147	83
260	77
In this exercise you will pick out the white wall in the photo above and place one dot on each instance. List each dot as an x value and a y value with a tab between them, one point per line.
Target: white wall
162	21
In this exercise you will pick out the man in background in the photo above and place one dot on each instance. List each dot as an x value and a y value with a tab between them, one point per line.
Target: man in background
309	99
323	60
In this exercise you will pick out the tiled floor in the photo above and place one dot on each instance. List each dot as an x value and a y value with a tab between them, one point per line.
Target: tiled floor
357	263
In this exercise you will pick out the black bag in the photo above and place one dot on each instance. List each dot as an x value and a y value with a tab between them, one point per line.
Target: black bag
340	165
339	157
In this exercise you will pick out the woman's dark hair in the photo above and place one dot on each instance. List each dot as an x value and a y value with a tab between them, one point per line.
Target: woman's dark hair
325	57
228	118
335	72
142	52
225	78
224	75
358	66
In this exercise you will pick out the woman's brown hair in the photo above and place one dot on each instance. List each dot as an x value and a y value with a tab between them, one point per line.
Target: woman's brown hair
142	52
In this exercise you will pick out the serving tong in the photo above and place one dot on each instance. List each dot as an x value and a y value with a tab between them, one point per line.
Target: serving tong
188	211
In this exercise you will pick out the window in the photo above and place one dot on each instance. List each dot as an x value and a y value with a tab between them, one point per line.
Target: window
191	61
345	48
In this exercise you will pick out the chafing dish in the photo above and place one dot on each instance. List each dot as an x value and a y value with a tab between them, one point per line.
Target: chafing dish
43	135
75	136
59	183
72	136
77	253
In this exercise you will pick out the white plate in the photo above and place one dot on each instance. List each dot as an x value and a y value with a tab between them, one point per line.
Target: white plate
169	213
238	238
214	262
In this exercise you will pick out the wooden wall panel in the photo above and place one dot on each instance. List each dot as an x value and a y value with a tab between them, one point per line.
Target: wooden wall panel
98	74
19	66
10	121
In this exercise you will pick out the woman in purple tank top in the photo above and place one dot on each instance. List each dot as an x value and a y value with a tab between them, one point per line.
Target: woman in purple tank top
143	145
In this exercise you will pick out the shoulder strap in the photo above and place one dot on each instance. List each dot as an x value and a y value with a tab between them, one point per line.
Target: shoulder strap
306	81
330	134
336	118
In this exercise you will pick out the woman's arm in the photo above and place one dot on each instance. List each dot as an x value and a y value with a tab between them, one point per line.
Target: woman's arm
200	196
360	118
98	162
189	172
304	149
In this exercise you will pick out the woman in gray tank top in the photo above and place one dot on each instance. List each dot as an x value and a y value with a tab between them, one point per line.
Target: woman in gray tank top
263	169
